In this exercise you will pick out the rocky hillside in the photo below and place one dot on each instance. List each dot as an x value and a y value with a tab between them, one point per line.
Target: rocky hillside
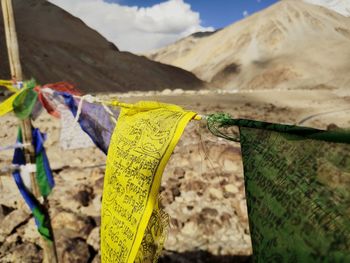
340	6
291	44
55	46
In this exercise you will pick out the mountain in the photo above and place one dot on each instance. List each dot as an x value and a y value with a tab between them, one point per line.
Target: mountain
289	45
55	46
339	6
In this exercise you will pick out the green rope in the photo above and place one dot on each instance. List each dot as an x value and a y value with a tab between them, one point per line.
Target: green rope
220	120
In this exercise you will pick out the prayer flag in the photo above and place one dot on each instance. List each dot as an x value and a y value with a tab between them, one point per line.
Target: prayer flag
141	144
298	190
43	171
7	105
96	119
50	96
44	177
24	103
9	85
72	135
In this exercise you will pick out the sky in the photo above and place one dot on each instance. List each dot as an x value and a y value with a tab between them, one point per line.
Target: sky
214	13
140	26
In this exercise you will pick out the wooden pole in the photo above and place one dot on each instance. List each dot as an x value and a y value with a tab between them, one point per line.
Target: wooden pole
49	248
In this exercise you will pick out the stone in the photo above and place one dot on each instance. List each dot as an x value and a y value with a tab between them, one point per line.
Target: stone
195	185
176	191
215	193
231	188
75	225
4	211
225	217
29	232
75	251
94	208
24	253
332	126
210	211
190	229
97	259
244	210
230	166
178	91
9	194
11	221
166	92
94	238
179	172
85	195
14	239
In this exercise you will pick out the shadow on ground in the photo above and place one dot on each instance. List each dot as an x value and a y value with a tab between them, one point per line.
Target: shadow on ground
201	257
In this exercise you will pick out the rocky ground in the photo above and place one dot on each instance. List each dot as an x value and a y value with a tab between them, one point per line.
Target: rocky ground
202	187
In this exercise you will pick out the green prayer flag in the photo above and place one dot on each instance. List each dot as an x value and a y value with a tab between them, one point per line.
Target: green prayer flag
42	222
41	176
42	219
298	190
24	103
43	171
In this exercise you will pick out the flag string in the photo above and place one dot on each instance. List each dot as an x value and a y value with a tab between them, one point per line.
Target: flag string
105	103
14	146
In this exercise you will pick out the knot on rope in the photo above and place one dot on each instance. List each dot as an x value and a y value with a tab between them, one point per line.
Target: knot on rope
217	121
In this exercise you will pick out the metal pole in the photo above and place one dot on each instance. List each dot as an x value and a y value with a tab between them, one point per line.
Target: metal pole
49	248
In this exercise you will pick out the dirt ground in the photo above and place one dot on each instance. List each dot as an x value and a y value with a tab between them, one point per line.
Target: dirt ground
202	188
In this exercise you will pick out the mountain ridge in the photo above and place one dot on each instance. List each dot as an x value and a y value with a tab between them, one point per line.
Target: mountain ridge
340	6
287	45
55	46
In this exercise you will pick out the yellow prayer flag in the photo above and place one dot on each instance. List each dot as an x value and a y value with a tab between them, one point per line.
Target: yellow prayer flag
143	140
6	106
8	84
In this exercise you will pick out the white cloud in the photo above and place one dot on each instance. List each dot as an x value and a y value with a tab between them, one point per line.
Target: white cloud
340	6
137	29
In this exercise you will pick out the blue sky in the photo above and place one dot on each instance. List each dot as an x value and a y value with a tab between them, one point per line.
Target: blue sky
215	13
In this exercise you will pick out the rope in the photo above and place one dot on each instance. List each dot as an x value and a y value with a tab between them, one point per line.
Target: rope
220	120
89	98
14	146
320	114
4	171
105	103
108	110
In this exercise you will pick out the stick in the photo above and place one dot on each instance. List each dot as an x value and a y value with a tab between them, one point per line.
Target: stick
50	254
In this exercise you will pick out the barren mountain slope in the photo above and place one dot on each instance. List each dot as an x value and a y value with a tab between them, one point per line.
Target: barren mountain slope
292	44
340	6
179	48
55	46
